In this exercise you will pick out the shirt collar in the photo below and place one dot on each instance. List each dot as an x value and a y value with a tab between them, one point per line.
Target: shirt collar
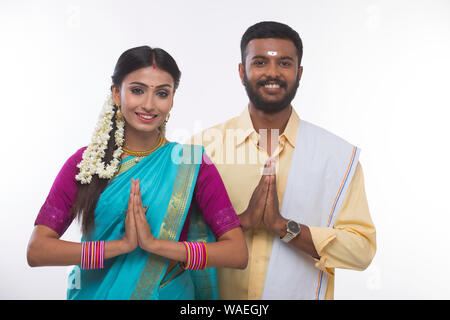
291	130
244	122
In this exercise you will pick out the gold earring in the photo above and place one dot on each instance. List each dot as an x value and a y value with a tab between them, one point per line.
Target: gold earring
118	113
162	127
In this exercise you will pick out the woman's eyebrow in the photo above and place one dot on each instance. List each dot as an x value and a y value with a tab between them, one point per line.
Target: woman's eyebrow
164	85
139	83
150	86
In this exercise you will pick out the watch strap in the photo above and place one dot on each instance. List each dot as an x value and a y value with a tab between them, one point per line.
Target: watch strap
288	237
289	234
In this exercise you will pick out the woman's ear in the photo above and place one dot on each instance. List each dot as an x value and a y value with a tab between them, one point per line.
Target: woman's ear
115	95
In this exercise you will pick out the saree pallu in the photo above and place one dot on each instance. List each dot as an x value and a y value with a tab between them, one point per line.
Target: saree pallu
167	179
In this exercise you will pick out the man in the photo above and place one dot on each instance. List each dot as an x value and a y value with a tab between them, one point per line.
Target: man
298	189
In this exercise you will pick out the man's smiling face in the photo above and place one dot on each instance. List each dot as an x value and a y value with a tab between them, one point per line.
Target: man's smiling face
271	73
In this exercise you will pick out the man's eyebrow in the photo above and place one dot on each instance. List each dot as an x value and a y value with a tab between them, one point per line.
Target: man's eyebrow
287	58
281	58
258	57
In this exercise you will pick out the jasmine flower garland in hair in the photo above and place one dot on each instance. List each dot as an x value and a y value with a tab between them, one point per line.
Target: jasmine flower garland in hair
92	157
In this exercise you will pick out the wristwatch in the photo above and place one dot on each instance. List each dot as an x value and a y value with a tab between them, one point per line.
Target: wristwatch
292	230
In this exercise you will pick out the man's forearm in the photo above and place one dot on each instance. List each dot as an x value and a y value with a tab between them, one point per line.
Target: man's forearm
302	241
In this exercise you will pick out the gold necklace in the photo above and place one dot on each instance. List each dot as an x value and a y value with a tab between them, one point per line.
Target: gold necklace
162	141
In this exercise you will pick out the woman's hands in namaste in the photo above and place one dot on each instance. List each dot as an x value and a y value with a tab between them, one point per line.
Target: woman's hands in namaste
137	229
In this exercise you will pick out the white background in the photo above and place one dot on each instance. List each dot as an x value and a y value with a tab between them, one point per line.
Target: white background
376	73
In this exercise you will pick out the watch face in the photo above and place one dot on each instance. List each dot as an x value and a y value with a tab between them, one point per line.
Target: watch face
293	226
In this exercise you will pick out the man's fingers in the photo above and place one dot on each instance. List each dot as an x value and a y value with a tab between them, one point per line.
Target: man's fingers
261	181
265	186
272	195
261	188
273	184
270	167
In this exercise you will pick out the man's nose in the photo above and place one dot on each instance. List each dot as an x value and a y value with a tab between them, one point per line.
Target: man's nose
272	69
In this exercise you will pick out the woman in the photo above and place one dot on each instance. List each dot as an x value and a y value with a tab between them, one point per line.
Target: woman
147	206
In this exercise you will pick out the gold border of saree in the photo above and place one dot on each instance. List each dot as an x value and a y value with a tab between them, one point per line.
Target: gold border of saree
156	265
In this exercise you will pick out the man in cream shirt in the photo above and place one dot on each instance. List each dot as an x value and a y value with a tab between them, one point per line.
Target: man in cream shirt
298	189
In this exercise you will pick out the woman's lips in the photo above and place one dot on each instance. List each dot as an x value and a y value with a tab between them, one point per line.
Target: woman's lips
146	117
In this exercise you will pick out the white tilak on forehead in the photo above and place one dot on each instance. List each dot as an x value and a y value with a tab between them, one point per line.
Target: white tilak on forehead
272	53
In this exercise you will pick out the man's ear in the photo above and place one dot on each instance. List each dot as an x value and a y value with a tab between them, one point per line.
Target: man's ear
241	72
300	72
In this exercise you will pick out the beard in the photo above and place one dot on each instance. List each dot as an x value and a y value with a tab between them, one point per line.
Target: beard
270	106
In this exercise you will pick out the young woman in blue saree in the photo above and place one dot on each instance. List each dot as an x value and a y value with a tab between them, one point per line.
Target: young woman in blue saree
156	218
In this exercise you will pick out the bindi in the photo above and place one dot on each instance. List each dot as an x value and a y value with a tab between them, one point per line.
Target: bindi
272	53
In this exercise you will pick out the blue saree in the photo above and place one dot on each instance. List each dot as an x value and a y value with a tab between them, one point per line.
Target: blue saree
167	178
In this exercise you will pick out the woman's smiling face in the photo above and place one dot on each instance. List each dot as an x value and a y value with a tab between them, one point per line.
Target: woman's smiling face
145	98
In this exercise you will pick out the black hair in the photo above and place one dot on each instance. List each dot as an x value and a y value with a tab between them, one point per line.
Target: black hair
141	57
129	61
271	29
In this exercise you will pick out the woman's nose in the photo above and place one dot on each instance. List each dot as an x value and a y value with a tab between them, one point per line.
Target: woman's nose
148	104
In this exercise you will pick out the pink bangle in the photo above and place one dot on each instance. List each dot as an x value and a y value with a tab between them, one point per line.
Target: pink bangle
205	256
196	255
92	255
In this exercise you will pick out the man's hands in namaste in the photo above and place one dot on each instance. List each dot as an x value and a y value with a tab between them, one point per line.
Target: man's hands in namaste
137	229
264	205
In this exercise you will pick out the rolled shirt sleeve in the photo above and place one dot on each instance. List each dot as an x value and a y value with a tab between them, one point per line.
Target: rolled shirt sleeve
351	243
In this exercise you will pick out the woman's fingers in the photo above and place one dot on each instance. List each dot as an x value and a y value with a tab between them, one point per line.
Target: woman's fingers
137	207
138	192
136	199
131	198
142	210
130	236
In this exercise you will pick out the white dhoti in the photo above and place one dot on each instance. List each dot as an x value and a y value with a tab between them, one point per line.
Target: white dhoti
321	171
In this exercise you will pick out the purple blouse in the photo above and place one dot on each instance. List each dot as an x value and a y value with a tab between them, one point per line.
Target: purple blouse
210	196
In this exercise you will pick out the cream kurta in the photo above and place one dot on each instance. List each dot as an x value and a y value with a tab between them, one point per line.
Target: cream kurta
233	147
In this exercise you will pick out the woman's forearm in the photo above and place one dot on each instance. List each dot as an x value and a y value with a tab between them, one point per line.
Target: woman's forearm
228	252
56	252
